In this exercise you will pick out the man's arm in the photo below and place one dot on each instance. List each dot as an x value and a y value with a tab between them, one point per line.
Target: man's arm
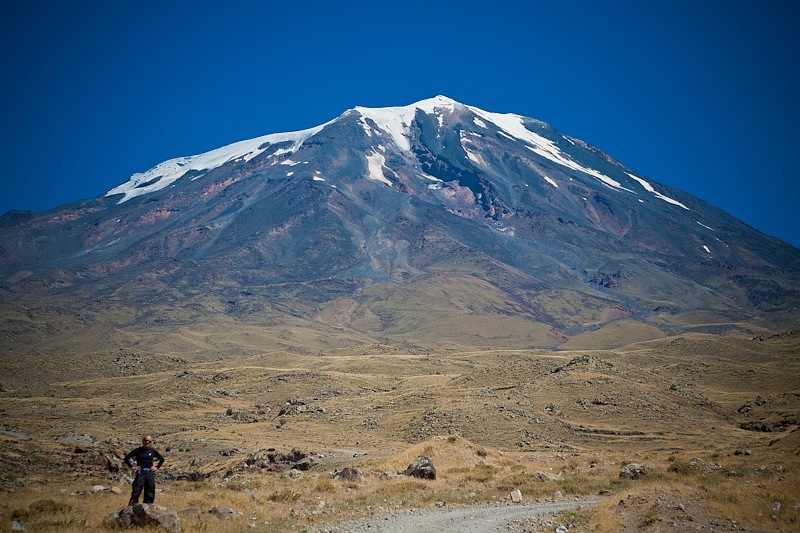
160	459
128	457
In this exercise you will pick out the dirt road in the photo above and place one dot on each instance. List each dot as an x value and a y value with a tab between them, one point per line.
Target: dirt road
473	519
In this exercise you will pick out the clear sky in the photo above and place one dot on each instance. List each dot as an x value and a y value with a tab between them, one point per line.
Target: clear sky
699	95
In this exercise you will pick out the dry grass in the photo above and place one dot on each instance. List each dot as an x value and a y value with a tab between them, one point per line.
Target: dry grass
491	421
727	491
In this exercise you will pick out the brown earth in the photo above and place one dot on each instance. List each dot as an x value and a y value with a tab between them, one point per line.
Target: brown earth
713	418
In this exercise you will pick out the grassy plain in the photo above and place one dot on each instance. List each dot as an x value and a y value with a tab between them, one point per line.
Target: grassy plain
714	419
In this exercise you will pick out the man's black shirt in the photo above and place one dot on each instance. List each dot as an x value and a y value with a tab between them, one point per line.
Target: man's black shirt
144	457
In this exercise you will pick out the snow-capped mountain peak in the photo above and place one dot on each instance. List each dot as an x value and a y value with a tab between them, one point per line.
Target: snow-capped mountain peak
396	121
393	120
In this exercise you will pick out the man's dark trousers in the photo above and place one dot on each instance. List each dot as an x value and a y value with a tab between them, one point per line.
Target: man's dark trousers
145	479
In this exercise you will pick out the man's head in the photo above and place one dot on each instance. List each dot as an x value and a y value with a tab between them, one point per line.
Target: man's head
147	441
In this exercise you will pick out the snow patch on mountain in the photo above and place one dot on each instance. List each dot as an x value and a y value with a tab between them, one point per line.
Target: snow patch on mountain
514	128
164	174
649	188
367	129
375	163
707	227
473	156
276	153
396	121
507	136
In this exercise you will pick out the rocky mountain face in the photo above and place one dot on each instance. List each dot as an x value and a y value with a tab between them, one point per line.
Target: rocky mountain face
435	224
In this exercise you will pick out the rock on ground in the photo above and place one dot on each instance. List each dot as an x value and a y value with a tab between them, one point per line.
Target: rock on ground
145	515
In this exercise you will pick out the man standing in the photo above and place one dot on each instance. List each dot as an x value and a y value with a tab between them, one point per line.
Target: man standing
141	461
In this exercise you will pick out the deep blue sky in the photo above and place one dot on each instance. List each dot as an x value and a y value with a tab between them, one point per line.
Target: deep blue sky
699	95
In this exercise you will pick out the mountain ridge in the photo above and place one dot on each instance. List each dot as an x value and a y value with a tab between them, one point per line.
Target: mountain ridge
535	234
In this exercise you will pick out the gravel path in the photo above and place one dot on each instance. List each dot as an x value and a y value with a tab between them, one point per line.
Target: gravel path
474	519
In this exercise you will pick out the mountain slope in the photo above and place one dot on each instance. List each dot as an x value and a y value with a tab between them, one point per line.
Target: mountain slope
436	223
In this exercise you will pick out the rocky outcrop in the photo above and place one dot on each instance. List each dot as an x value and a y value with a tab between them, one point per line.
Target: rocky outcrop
421	468
145	515
632	471
95	458
346	474
544	476
275	461
297	406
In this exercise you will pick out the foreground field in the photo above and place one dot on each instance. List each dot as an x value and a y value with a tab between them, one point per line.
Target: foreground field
713	419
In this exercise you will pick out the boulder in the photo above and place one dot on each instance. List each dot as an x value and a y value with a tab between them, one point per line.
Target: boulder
280	462
145	515
545	476
295	456
304	464
516	496
421	468
95	458
632	471
346	474
223	513
296	406
292	473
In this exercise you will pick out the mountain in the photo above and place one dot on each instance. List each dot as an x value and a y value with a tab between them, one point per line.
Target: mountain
435	224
